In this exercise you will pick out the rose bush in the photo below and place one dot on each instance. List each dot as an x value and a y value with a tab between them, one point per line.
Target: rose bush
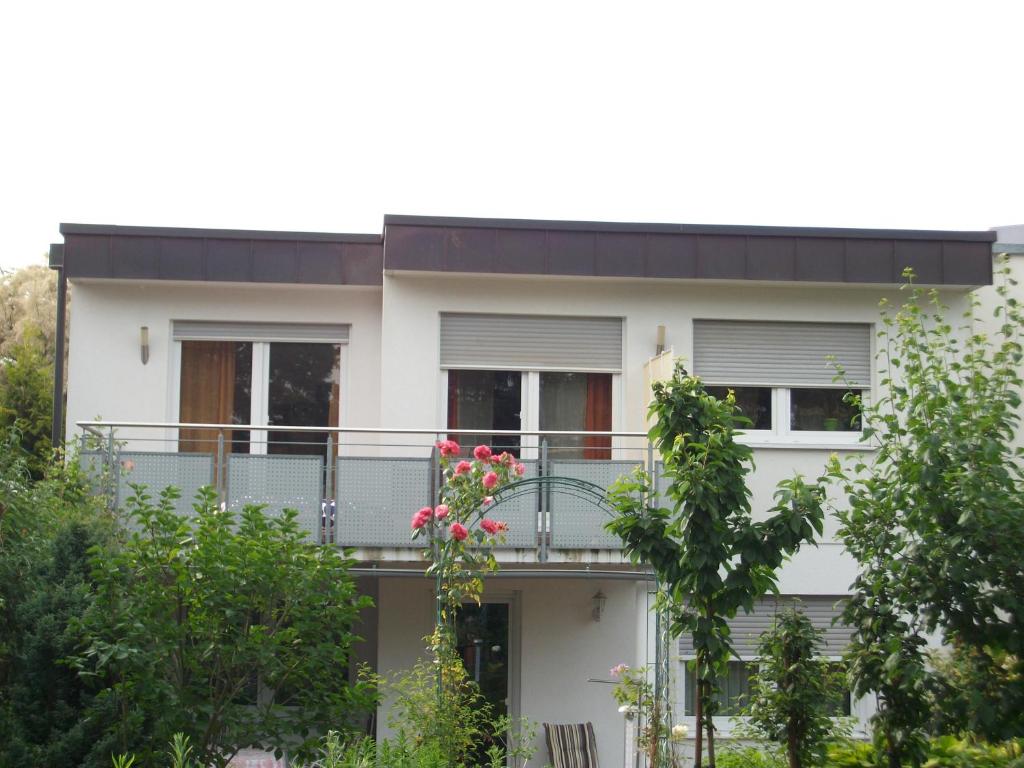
460	538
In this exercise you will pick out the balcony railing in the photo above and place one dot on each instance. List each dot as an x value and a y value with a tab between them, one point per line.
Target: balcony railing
358	487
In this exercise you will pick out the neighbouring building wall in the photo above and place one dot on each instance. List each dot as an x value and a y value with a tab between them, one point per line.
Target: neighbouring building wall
106	377
1009	245
561	647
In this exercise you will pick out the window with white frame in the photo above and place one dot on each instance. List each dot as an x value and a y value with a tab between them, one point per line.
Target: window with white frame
261	374
746	629
794	380
533	373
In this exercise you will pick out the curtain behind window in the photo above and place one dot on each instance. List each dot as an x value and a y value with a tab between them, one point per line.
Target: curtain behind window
575	402
216	379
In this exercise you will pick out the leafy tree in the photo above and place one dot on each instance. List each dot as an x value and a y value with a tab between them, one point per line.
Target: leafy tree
28	305
46	528
26	399
972	692
711	558
233	631
936	517
793	691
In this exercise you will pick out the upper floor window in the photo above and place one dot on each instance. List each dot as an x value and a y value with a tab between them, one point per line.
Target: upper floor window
532	372
784	374
261	375
567	402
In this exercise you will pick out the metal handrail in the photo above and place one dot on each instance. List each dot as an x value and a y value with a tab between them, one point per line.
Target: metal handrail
93	425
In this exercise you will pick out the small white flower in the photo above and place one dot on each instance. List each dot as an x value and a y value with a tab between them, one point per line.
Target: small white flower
679	732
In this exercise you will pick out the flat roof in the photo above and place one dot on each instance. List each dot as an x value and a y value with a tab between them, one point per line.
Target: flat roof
529	247
981	236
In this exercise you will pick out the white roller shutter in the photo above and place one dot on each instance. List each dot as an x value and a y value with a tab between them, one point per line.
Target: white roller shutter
531	342
749	353
198	330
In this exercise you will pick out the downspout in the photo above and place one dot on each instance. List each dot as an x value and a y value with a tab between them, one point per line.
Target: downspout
57	263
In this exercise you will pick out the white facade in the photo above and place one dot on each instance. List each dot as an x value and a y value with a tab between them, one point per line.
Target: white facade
391	377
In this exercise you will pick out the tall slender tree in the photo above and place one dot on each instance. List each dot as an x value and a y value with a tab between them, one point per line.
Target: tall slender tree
711	558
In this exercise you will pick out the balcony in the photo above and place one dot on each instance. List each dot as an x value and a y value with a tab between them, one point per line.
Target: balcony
358	488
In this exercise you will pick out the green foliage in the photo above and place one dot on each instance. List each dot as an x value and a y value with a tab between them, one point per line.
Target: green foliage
234	631
943	752
847	753
972	692
751	757
711	558
450	717
792	691
26	400
46	530
936	518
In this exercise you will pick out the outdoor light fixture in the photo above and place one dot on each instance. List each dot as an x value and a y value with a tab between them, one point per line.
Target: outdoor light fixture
597	602
661	340
144	343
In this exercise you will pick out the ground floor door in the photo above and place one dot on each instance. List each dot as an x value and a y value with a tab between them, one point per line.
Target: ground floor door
482	635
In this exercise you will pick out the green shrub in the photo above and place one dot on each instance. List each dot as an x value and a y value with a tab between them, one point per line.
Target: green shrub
47	528
942	752
750	757
232	630
793	691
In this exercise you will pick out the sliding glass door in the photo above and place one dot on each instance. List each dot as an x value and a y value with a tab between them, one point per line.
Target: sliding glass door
292	384
216	388
302	391
563	402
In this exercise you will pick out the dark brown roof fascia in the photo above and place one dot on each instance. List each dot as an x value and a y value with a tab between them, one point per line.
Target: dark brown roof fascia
675	251
103	251
690	229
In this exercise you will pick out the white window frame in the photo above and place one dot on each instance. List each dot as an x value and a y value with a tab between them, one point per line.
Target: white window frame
259	396
727	723
529	412
782	434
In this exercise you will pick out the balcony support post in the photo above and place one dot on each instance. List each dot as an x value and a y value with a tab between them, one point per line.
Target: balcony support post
545	503
114	472
326	530
220	474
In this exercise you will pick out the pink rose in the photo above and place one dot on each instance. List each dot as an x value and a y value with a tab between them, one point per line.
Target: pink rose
502	526
482	453
441	512
618	670
463	467
490	526
490	480
520	469
506	458
422	517
447	447
488	500
459	532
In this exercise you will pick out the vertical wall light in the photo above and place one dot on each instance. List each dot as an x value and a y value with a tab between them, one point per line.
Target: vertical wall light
144	343
597	605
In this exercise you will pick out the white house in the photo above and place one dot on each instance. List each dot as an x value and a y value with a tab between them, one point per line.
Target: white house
370	347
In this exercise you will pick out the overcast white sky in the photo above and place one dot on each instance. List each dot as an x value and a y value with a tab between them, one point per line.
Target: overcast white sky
325	116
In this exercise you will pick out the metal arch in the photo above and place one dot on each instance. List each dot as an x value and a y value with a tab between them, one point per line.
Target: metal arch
566	486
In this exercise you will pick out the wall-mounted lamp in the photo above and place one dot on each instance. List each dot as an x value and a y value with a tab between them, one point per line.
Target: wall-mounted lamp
597	605
661	340
144	343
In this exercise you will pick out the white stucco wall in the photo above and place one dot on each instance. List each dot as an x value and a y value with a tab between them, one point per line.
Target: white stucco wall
391	374
106	377
560	646
410	334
